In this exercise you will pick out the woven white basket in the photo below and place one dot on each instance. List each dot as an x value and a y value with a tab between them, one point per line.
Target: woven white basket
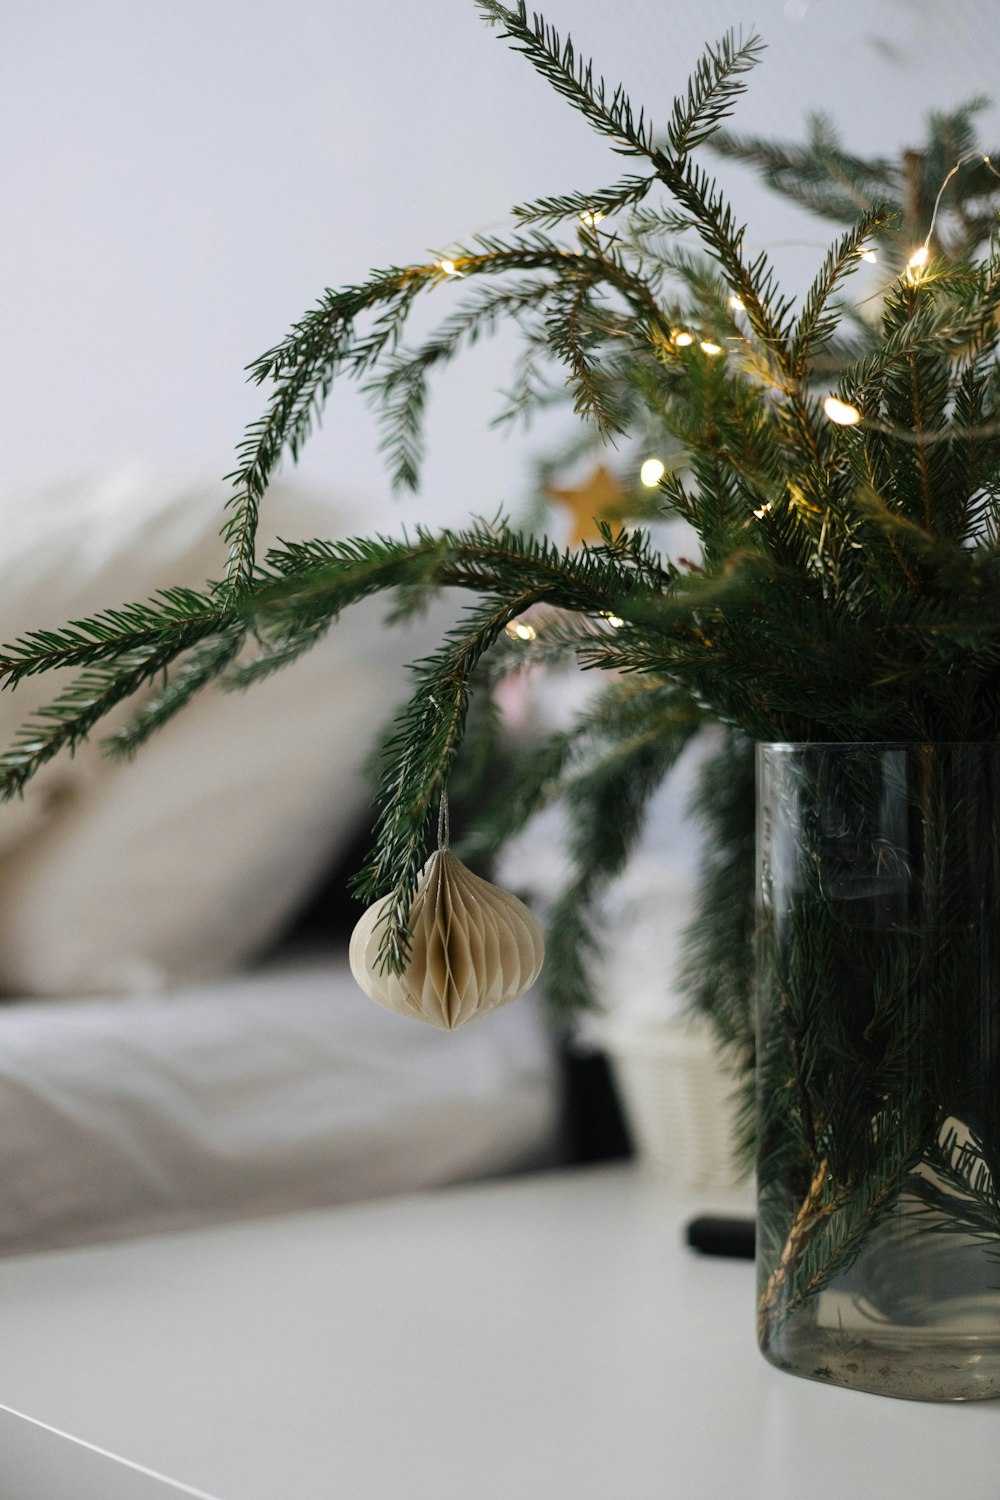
677	1096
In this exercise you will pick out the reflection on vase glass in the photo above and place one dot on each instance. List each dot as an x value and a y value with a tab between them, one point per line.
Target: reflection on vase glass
879	1066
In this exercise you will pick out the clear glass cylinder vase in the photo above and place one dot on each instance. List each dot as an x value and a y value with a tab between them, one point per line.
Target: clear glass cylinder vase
878	1066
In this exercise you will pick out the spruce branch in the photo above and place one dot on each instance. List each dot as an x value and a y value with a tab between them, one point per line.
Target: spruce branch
957	1192
648	230
418	760
820	175
574	328
399	389
606	800
286	647
170	615
302	368
754	282
572	77
203	664
818	321
68	720
585	207
329	341
713	89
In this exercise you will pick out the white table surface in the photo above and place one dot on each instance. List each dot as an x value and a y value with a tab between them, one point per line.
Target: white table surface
546	1338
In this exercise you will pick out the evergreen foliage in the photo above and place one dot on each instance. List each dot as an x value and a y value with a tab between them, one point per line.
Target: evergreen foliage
846	588
825	178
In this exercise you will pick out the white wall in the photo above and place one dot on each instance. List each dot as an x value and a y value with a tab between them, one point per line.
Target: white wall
179	180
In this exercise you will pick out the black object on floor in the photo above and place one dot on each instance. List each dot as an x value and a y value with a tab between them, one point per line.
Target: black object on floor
719	1236
593	1125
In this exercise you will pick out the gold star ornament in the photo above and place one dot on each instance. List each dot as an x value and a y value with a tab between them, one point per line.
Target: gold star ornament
598	498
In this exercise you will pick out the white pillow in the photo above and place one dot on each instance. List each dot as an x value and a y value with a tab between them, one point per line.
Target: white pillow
186	861
263	1093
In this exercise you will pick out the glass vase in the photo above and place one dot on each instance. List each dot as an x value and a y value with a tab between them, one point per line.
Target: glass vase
878	1066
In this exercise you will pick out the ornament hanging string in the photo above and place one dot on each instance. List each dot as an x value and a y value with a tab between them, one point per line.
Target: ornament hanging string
444	822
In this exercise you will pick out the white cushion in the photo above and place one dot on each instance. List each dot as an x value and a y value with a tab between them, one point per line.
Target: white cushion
187	860
284	1089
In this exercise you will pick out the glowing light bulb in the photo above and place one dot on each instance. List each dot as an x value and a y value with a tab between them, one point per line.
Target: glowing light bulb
869	255
518	631
736	303
919	258
841	412
765	510
682	339
448	267
708	346
615	621
592	220
652	472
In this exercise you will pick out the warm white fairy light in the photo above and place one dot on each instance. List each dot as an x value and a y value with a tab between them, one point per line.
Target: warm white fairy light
709	347
682	338
591	221
736	303
869	255
518	631
615	621
652	472
448	267
841	412
921	254
765	510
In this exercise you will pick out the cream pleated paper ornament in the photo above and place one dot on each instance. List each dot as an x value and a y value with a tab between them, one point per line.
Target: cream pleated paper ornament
473	947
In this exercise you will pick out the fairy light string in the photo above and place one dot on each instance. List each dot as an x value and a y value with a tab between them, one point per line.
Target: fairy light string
921	254
843	413
840	413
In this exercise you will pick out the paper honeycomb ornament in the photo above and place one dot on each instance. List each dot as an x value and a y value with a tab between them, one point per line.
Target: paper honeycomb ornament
473	948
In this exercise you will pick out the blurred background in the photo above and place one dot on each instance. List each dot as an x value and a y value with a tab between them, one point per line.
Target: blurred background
180	182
